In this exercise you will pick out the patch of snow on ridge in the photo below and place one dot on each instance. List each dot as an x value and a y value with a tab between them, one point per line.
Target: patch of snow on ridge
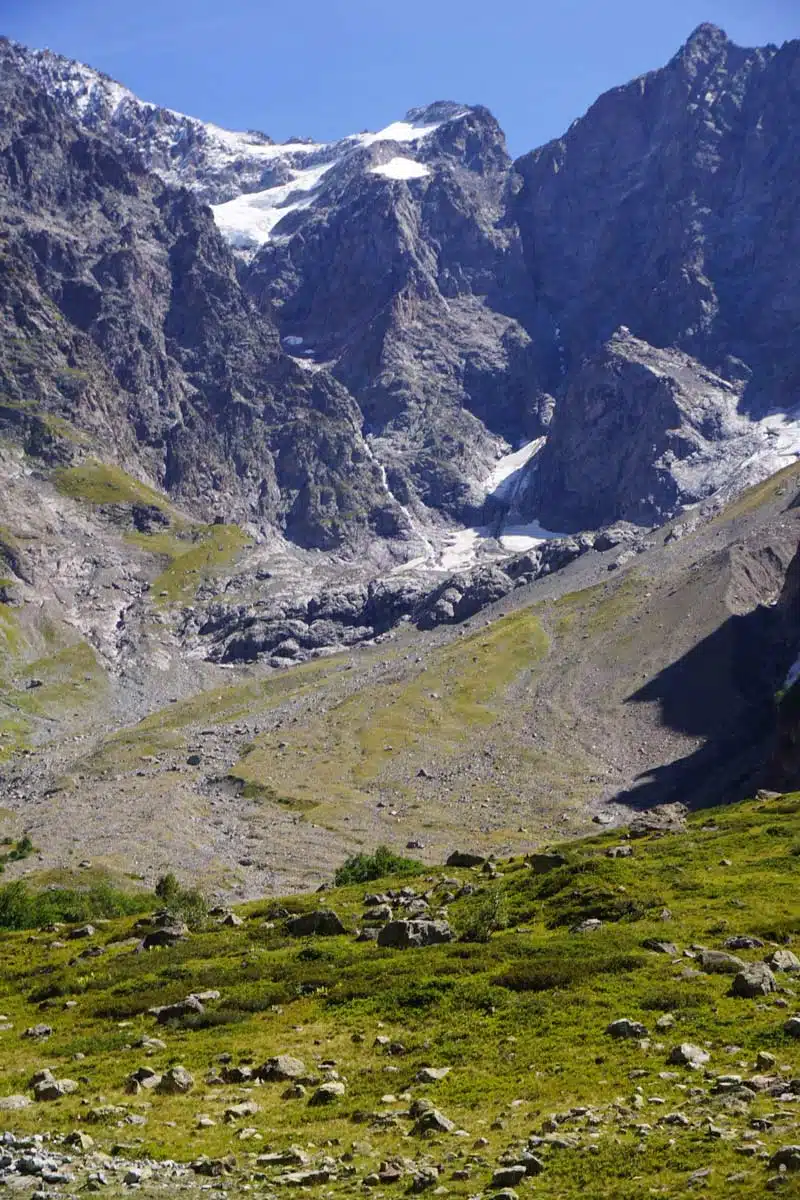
401	168
248	221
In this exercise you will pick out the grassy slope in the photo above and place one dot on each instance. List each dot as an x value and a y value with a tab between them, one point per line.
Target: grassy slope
519	1020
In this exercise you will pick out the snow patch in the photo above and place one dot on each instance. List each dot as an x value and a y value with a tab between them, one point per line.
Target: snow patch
248	221
401	168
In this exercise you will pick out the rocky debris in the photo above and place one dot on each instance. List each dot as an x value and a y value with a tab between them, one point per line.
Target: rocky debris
47	1087
590	925
38	1031
717	962
281	1068
783	960
324	922
743	942
619	852
625	1028
176	1081
165	935
432	1074
688	1055
546	861
189	1007
755	980
238	1112
142	1077
328	1093
787	1157
402	935
465	858
664	818
659	947
14	1103
428	1119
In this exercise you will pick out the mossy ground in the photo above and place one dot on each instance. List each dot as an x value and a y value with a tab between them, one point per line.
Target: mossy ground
94	482
520	1021
194	555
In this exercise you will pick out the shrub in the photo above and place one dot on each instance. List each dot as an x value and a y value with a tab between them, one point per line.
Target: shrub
185	904
482	916
21	908
362	868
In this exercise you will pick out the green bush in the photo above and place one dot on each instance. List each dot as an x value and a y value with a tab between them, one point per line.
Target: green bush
185	904
21	908
362	868
483	915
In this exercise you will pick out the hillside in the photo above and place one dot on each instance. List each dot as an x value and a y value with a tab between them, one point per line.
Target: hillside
469	1065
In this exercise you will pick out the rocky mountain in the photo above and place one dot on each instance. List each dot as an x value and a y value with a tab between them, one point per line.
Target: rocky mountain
461	299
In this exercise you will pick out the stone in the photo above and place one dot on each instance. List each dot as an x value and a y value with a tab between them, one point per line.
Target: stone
402	935
688	1055
783	960
83	931
77	1140
508	1176
428	1118
231	921
38	1031
465	858
590	925
176	1081
165	935
659	947
787	1157
432	1074
619	852
282	1068
792	1027
625	1028
324	922
718	962
328	1093
755	980
189	1007
237	1112
54	1089
13	1103
743	942
541	863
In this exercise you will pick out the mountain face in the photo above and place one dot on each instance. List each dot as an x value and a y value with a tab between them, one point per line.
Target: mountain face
441	302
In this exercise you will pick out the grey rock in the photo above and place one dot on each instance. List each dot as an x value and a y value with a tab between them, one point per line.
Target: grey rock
176	1081
328	1093
402	935
324	922
282	1067
755	980
689	1055
717	962
625	1028
783	960
543	862
189	1007
465	858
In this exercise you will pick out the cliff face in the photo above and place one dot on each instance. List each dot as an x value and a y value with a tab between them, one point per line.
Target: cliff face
122	314
342	346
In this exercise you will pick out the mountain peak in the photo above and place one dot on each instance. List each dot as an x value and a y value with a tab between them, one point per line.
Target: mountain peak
706	39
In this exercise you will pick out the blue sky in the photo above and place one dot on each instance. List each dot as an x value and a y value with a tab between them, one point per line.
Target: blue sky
326	68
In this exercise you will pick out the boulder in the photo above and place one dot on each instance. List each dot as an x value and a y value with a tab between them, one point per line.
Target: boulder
165	935
718	962
189	1007
13	1103
401	935
590	925
542	863
281	1068
322	923
742	941
431	1074
755	980
465	858
783	960
177	1081
792	1027
687	1055
625	1028
428	1118
787	1157
54	1089
661	947
508	1176
328	1093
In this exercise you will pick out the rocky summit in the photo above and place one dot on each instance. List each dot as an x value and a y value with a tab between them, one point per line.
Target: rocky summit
392	520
